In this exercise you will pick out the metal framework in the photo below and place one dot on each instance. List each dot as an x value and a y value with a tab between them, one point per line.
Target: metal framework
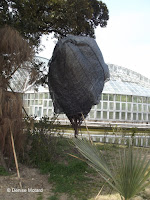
125	98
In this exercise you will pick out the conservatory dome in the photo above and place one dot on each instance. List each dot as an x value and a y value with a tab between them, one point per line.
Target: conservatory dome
125	97
20	81
125	81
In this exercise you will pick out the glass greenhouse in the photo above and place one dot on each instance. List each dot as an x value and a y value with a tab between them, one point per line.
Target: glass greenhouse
125	98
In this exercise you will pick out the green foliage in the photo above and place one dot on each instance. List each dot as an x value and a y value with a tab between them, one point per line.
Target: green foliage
128	176
133	173
34	18
134	130
40	140
3	172
54	197
65	173
40	197
67	178
50	154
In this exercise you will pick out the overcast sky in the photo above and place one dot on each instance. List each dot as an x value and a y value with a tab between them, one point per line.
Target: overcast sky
126	39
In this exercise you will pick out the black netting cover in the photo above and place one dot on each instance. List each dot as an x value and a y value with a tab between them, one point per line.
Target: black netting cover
77	73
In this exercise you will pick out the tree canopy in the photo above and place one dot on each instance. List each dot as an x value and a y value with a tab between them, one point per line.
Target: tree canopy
23	22
34	18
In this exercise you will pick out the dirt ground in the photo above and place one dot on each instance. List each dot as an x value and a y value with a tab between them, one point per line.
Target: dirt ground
35	186
33	183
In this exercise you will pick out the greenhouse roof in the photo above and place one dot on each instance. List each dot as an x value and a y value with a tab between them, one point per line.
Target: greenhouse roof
127	75
122	81
125	88
20	79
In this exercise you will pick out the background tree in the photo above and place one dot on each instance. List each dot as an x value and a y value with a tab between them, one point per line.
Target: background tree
14	52
34	18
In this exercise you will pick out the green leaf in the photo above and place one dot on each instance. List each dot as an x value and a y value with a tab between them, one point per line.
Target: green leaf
128	175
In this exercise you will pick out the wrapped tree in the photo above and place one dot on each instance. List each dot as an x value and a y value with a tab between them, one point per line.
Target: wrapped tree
77	73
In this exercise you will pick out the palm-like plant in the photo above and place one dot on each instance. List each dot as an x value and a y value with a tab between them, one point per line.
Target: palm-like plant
128	176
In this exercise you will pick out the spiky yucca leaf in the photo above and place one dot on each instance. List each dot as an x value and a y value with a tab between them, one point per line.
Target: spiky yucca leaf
132	173
128	175
96	160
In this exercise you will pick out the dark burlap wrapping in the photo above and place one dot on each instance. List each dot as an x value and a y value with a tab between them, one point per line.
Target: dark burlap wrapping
77	73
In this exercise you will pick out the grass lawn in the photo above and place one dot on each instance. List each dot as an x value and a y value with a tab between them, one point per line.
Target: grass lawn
72	176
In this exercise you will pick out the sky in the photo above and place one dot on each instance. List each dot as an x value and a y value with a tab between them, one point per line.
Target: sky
126	39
